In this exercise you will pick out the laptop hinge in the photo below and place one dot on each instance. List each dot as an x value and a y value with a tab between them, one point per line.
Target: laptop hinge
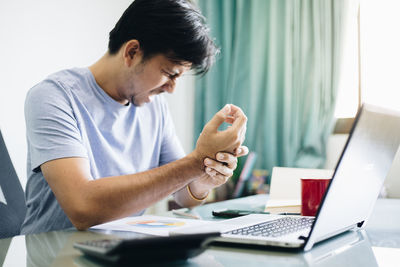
302	237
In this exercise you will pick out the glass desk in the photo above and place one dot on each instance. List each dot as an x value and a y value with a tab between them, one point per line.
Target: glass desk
378	245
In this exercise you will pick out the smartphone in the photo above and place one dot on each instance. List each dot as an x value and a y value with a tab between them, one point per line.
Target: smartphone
227	213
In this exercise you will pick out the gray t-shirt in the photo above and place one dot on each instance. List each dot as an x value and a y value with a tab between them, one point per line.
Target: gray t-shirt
69	115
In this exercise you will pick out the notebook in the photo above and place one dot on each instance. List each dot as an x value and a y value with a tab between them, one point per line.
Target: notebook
348	202
285	193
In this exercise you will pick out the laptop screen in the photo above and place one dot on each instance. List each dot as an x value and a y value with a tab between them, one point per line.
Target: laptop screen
359	174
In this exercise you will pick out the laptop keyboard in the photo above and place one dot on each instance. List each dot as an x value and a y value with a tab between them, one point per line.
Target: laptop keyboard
275	228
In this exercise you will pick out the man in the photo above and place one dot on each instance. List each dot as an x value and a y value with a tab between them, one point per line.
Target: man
101	144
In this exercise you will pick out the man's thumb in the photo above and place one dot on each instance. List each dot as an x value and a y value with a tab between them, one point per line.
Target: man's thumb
219	117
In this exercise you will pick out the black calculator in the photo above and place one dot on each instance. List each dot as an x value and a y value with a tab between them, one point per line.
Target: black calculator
148	249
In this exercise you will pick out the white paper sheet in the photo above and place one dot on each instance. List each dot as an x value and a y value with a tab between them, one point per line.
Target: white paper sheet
150	224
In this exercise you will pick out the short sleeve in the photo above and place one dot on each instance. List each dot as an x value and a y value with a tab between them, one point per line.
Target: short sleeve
52	129
171	148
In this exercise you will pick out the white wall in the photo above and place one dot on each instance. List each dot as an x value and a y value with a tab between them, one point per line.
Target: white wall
40	37
181	105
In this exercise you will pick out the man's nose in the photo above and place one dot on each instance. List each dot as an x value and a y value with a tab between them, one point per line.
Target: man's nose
169	86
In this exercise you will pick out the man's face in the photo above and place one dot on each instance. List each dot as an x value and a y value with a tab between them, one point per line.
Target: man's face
151	77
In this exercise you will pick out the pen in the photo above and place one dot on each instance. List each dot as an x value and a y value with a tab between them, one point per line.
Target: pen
185	214
289	213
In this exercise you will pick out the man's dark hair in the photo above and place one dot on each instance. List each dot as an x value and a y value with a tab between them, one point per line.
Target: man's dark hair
174	28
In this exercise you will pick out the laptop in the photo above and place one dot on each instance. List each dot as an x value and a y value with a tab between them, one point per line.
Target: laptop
348	202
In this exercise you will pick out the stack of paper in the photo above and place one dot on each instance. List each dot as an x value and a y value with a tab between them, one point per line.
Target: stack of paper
285	192
151	224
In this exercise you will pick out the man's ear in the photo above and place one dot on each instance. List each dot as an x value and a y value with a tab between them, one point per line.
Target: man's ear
132	52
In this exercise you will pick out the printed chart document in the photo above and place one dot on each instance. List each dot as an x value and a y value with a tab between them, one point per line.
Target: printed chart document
285	194
150	224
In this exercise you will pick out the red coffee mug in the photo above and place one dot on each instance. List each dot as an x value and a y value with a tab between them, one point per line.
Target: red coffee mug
312	191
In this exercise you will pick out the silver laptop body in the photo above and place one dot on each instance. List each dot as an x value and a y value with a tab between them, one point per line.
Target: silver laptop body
357	180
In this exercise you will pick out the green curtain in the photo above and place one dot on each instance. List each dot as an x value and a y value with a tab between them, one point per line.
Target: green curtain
279	62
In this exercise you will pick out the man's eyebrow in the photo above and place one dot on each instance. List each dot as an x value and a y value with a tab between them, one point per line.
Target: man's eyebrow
168	71
172	72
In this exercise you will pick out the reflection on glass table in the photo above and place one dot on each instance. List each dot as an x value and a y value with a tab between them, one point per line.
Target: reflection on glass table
378	245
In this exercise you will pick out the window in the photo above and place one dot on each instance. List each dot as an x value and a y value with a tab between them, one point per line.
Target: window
347	99
370	69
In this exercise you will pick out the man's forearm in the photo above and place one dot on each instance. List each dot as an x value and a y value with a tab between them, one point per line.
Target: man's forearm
92	202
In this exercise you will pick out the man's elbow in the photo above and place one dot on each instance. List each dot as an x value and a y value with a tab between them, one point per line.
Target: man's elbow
81	219
80	225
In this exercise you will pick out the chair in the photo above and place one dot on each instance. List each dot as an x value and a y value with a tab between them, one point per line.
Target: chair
12	199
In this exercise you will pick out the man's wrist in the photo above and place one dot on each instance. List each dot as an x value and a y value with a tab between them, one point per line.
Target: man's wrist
197	160
197	196
198	190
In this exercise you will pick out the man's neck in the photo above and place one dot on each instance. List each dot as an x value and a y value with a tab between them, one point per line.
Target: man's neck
106	73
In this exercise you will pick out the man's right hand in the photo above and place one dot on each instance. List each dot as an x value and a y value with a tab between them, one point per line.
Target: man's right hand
211	141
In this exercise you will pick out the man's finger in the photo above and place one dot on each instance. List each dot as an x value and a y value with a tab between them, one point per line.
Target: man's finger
240	119
241	151
218	179
229	120
211	172
218	167
229	159
219	118
243	134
